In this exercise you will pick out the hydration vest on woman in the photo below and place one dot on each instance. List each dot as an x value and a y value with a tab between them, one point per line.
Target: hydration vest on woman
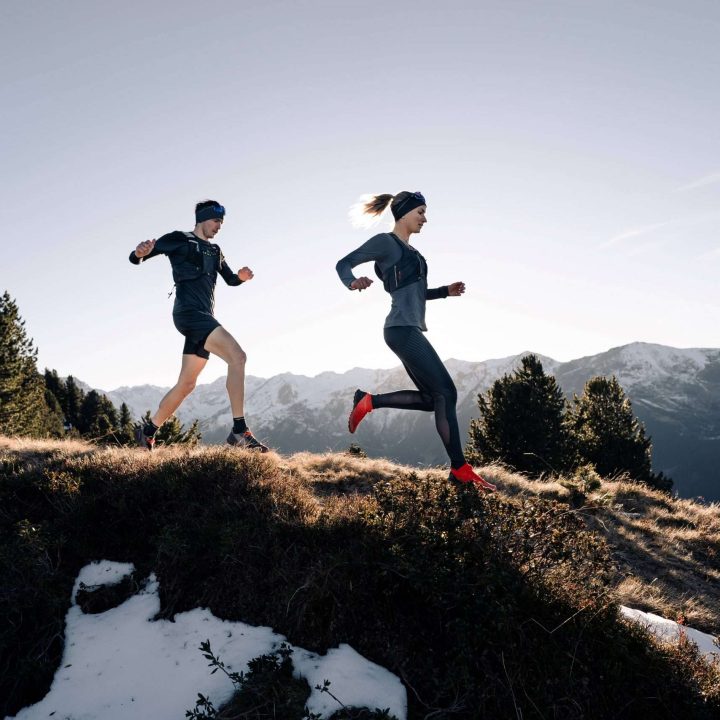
409	269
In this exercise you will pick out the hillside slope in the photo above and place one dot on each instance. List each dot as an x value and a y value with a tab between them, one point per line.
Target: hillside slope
494	606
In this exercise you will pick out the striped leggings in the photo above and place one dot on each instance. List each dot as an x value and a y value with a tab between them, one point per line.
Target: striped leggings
435	389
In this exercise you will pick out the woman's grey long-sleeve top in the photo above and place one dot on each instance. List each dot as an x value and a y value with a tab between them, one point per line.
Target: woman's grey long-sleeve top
408	303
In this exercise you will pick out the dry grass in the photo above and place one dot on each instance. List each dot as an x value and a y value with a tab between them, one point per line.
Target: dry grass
667	549
390	558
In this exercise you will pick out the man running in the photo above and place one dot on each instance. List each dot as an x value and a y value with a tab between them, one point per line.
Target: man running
196	262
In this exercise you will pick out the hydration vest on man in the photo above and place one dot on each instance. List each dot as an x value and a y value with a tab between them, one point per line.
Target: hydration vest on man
199	258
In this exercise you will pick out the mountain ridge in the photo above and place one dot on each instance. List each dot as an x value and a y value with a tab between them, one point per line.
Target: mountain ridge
675	392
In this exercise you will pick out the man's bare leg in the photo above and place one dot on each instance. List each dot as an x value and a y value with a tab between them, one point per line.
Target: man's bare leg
221	343
192	366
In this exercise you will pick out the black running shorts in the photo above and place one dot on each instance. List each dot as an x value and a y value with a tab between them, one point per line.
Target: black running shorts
195	326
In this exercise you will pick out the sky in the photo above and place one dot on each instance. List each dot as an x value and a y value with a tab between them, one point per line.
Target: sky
124	665
568	150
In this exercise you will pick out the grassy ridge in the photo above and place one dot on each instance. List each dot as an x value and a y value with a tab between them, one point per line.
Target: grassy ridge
502	606
667	549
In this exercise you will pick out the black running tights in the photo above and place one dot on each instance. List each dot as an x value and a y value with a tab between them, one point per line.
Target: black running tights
435	388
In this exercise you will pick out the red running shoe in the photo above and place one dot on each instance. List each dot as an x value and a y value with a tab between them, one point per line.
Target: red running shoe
466	474
362	405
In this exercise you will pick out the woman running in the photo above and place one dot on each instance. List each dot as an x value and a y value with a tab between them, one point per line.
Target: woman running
403	271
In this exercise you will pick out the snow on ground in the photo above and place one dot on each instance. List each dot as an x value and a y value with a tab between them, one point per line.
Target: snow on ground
670	631
122	665
354	680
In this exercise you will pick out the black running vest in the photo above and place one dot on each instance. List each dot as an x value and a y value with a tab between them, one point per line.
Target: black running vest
409	269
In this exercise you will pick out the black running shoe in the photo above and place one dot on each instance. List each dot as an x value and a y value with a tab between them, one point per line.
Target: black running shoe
143	441
246	440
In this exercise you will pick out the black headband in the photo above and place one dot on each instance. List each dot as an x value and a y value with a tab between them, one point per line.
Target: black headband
407	204
211	212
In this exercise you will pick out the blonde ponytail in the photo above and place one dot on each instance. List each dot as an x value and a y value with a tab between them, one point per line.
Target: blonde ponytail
369	209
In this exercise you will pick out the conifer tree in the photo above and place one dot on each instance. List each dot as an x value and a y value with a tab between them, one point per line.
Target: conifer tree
607	434
55	422
55	384
74	397
125	433
23	410
522	422
56	399
98	417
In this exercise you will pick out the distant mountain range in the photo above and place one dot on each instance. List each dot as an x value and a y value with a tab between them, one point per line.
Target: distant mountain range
674	392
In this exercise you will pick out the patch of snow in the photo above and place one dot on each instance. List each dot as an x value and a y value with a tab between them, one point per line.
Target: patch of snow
101	573
670	631
123	665
353	680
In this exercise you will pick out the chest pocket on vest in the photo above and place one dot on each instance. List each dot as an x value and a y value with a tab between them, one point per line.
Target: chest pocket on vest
210	263
200	259
409	269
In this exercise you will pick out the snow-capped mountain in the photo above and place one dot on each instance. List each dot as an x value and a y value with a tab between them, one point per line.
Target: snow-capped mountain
675	392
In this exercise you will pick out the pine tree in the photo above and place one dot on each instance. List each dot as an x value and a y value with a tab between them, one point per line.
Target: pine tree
55	423
125	432
108	417
74	397
607	434
97	419
522	422
56	399
55	384
23	410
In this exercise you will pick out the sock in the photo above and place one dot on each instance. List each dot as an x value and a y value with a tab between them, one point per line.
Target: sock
239	426
150	428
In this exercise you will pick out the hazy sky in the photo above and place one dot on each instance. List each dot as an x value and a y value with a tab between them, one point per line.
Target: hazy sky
569	151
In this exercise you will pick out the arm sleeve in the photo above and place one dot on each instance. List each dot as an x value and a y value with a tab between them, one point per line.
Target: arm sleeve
227	274
379	248
437	293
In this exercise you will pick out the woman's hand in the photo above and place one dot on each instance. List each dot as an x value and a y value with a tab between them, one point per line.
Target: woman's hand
144	248
361	283
245	274
456	289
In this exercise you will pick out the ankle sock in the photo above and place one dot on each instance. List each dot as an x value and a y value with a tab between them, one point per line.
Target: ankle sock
239	425
150	428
